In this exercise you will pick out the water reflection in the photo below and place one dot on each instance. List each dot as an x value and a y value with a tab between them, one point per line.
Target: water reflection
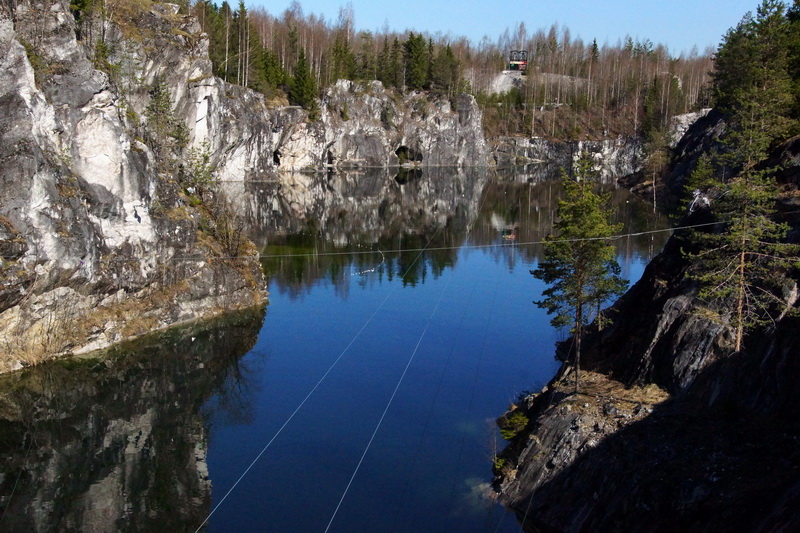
415	229
119	443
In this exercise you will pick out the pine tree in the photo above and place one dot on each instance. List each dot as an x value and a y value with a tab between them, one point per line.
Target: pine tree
343	61
303	88
753	85
396	65
366	67
741	268
741	265
579	262
416	62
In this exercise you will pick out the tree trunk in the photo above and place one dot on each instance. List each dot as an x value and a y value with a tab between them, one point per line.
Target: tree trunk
740	303
578	335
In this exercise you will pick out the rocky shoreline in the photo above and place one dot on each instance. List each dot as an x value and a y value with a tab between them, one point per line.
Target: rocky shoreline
672	429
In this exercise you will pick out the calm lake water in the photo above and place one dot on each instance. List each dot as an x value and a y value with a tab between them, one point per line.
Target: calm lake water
363	400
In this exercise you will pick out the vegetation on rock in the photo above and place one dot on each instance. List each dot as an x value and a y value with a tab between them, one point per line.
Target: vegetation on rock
744	264
579	260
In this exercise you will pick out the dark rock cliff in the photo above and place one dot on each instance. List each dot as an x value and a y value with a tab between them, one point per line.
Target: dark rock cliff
714	450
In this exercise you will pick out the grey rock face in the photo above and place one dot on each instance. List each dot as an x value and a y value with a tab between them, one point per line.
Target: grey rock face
541	158
95	228
86	261
365	125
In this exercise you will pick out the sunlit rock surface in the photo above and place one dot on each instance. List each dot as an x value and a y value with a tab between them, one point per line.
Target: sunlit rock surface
97	241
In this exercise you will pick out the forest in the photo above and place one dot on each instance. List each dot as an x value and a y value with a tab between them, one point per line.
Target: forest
573	89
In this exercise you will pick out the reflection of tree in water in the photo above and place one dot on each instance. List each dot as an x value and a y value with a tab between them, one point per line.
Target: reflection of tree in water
416	256
118	443
531	209
430	212
297	262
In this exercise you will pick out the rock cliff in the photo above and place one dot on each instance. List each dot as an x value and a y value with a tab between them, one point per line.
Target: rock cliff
107	227
98	244
364	125
672	430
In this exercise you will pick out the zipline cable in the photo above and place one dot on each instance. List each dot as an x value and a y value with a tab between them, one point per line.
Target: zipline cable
302	403
441	379
475	380
310	393
392	396
436	248
435	397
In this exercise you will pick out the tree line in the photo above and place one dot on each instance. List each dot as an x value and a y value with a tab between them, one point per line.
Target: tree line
743	263
296	55
573	88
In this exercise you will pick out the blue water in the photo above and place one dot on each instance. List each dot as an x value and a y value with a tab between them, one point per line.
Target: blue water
363	401
368	404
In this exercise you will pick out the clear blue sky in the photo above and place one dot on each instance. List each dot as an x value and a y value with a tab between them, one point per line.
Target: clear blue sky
678	24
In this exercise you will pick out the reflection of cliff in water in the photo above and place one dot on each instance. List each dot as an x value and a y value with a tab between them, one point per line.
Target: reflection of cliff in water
358	206
119	443
334	235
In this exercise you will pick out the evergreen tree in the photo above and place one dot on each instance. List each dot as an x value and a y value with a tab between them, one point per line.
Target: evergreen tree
416	62
82	10
753	85
396	66
741	265
445	74
383	66
343	61
273	73
579	262
366	68
166	133
303	87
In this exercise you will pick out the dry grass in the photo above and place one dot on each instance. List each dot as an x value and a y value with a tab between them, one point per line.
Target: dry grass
598	390
126	13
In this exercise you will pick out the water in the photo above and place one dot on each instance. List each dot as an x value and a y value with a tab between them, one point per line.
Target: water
364	401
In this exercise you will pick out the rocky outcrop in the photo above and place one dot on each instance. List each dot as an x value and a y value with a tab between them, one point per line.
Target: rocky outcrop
95	247
103	235
719	454
608	460
363	125
541	158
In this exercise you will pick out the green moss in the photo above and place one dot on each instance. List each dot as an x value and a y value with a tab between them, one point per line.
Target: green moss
41	68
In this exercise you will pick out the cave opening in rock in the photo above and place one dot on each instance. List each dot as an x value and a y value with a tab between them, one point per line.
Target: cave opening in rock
408	155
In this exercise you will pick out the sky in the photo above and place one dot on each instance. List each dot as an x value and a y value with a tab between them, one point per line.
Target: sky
677	24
